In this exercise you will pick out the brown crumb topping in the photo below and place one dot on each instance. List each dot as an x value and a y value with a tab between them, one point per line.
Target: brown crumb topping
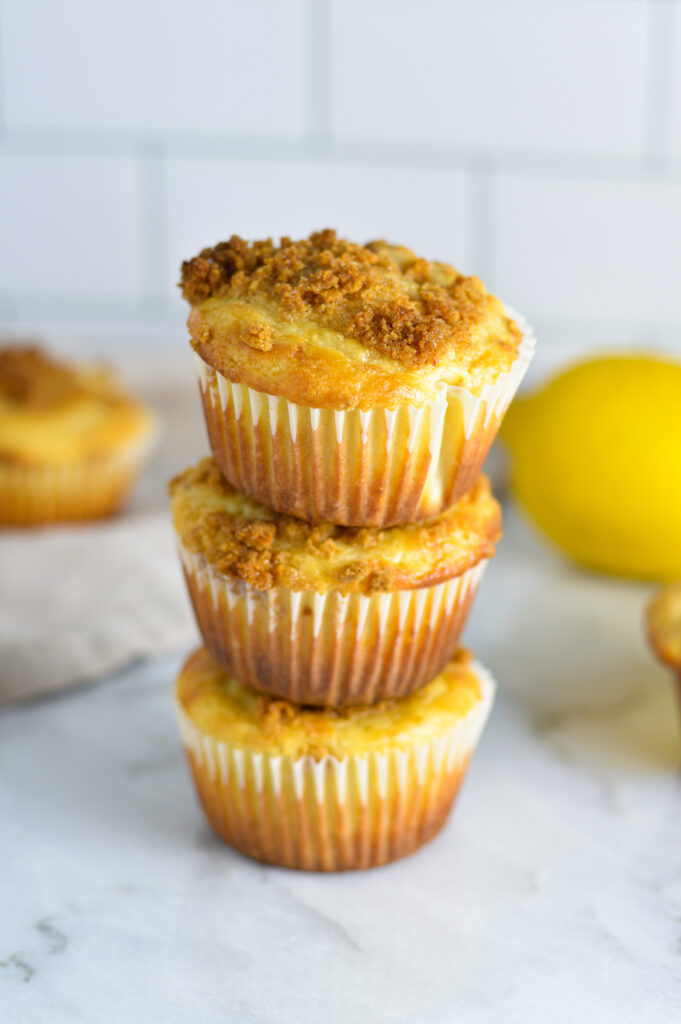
30	377
251	548
274	715
387	298
244	540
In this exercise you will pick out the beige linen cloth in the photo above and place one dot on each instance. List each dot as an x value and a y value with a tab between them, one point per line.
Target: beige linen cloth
79	602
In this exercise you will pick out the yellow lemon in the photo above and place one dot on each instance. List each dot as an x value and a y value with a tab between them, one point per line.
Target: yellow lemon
596	463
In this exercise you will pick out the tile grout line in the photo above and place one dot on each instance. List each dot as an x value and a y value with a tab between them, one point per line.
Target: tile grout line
3	112
113	312
84	308
317	83
656	121
639	331
8	311
398	154
151	226
479	220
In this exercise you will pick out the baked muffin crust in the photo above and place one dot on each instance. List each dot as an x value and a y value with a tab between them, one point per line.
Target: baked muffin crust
244	540
227	711
330	323
51	411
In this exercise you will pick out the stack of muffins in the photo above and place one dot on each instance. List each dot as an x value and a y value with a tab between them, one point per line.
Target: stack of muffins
334	543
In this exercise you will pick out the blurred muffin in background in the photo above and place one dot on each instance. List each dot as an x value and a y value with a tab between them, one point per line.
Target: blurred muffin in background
72	441
353	384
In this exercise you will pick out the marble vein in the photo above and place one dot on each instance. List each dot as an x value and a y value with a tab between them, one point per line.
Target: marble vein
316	915
23	962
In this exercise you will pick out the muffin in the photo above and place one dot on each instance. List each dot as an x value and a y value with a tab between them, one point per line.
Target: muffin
663	622
359	385
329	790
323	614
71	441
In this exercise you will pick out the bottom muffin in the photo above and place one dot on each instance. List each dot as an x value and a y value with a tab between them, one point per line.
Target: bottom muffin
322	789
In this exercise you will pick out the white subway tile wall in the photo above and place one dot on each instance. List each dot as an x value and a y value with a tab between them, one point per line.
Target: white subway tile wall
68	224
535	142
526	74
148	67
673	40
209	200
589	249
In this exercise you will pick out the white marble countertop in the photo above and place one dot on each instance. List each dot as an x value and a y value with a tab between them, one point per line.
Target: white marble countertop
554	893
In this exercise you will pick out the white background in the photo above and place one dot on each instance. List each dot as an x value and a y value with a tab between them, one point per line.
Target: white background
534	142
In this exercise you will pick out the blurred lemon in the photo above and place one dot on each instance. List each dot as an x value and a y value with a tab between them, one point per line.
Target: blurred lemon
596	462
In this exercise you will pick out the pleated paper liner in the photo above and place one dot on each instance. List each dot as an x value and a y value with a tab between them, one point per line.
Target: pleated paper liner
329	649
356	467
333	814
31	495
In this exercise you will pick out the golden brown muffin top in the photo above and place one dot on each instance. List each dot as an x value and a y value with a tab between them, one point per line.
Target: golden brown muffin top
218	705
385	297
243	539
51	411
664	624
374	319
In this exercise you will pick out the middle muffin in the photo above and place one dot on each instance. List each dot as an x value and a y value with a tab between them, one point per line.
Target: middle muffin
322	614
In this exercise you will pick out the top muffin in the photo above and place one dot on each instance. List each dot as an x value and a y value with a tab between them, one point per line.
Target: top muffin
330	323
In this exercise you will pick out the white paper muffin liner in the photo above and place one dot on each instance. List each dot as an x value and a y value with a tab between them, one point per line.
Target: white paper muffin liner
334	814
356	467
329	649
